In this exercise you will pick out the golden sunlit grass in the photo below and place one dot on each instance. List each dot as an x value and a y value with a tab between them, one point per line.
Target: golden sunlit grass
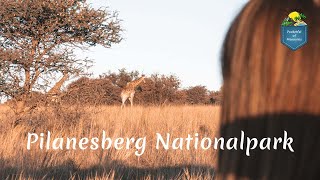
77	121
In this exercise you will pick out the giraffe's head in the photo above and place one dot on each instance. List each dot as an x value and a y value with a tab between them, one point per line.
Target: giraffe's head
143	78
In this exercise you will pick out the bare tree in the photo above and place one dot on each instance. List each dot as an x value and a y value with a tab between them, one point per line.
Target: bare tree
37	43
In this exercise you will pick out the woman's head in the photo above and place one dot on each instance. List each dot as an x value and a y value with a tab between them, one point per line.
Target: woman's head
261	75
269	89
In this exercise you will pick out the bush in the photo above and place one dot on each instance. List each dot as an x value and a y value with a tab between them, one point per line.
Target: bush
157	90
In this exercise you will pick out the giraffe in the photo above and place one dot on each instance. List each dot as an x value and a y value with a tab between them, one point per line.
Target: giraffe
129	91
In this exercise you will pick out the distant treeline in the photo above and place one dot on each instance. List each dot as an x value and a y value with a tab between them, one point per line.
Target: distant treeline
157	90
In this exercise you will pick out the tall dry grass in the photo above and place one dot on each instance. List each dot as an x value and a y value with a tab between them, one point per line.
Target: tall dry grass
17	162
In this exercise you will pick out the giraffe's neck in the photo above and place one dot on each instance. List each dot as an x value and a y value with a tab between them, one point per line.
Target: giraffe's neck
134	84
137	82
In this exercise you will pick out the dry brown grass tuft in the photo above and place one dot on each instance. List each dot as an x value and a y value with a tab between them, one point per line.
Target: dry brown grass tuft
17	162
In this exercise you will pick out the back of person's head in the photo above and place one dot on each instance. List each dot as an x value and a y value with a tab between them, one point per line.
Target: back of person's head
261	75
269	88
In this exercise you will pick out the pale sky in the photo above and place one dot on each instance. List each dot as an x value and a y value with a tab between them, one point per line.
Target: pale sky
179	37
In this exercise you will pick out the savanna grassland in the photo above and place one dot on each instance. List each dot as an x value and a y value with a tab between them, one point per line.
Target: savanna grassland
78	121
